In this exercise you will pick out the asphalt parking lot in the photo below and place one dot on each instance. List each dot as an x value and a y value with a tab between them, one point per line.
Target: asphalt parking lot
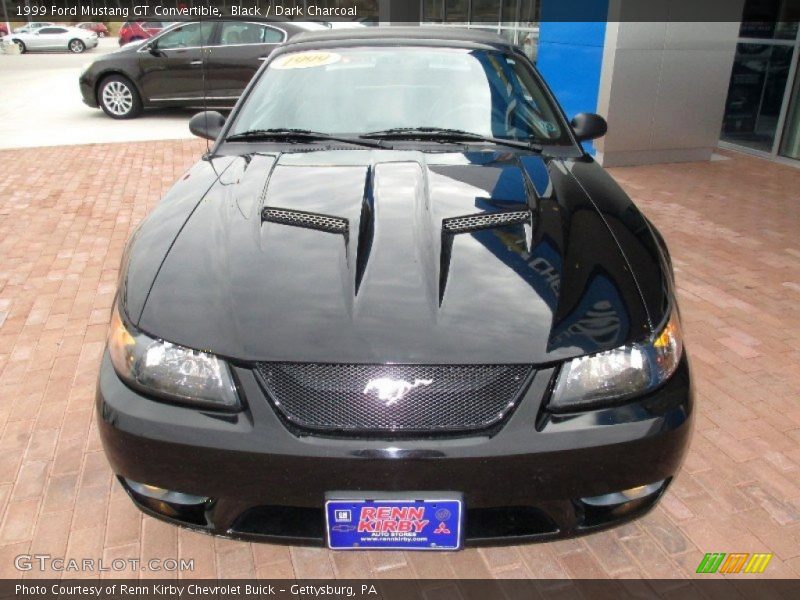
41	104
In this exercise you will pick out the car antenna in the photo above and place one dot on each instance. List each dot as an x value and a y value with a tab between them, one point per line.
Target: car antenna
203	75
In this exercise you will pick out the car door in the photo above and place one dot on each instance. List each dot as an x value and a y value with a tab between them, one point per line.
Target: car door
171	64
49	38
240	50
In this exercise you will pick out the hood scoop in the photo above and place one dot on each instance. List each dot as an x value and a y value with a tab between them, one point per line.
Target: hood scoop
309	220
469	224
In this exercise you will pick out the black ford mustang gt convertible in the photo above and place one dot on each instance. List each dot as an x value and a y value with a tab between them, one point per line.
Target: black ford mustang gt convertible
396	305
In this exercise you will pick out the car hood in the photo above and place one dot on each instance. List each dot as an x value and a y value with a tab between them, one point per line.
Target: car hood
362	256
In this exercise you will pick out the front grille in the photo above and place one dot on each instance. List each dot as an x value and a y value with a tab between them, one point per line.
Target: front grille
350	399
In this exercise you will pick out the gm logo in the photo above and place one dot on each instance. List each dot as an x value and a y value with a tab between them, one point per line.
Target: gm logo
343	516
719	562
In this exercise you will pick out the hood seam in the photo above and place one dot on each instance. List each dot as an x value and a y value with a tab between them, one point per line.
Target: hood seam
619	247
175	239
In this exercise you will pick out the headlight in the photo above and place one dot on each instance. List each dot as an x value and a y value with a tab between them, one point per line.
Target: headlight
620	373
170	371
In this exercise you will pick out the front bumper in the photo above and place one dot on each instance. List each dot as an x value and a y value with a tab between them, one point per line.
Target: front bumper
86	84
523	483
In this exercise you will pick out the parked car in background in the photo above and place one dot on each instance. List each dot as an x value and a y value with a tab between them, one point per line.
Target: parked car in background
53	38
188	64
133	31
33	26
99	28
3	29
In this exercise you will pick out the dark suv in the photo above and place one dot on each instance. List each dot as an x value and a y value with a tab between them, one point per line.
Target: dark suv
187	64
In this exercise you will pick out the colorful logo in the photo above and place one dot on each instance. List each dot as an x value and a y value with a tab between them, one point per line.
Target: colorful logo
742	562
442	529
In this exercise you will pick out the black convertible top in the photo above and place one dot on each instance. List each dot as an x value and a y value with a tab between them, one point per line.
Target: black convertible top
410	34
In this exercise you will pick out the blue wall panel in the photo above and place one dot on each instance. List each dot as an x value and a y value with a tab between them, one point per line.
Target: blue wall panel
570	54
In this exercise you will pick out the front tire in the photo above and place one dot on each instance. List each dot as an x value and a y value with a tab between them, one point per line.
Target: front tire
119	98
76	46
21	45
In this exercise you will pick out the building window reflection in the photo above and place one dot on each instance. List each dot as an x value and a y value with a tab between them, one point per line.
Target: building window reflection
516	20
761	111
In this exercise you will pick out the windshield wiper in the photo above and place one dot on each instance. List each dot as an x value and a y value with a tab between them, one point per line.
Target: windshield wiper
441	134
296	135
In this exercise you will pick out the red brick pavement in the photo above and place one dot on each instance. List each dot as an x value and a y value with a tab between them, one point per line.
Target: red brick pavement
733	226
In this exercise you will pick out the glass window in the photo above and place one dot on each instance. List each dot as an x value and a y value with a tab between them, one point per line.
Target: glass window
790	145
433	11
529	41
509	13
485	11
237	32
529	13
272	36
456	10
51	30
359	90
190	35
510	35
755	95
770	19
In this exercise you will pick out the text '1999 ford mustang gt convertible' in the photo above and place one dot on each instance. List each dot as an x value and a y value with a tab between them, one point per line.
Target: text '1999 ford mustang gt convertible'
396	306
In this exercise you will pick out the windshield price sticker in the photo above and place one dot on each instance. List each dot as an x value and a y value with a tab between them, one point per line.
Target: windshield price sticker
305	60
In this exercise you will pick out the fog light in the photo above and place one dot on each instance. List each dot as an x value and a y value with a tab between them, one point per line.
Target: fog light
171	496
625	495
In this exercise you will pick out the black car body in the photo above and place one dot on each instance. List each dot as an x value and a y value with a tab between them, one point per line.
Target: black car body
396	320
190	64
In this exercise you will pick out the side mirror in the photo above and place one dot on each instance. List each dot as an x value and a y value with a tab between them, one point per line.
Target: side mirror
588	126
207	124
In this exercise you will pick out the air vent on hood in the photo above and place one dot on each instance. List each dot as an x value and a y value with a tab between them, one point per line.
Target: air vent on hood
484	221
467	224
309	220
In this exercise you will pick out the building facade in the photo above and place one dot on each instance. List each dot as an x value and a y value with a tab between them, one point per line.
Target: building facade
671	88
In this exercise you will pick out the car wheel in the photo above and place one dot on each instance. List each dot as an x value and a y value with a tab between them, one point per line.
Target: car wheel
21	45
76	46
119	98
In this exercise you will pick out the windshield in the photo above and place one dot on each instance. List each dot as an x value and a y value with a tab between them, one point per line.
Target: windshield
355	91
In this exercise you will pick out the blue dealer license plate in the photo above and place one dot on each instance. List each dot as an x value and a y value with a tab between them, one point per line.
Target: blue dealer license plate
393	524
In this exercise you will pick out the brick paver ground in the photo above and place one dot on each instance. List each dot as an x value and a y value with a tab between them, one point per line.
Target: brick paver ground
733	227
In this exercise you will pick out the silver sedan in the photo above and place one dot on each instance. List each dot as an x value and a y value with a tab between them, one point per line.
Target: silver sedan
53	37
32	26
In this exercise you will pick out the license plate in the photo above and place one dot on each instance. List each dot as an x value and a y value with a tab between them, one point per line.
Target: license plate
429	524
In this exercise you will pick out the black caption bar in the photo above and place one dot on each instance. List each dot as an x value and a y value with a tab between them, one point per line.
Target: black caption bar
182	10
409	11
406	589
